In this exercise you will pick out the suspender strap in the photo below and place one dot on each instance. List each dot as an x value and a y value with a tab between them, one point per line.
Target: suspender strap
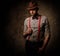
39	20
29	26
29	23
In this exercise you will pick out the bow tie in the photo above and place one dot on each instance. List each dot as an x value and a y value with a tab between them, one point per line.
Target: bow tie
35	17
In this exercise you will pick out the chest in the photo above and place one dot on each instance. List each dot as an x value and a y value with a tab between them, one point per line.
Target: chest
35	23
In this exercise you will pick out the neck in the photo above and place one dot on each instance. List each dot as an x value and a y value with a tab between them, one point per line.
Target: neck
35	16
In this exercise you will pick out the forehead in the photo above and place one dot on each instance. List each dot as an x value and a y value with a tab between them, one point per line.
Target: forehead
32	9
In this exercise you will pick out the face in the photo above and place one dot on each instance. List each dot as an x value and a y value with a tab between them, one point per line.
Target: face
32	12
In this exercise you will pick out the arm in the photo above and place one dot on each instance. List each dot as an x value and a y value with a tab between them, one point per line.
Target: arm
27	31
25	28
46	34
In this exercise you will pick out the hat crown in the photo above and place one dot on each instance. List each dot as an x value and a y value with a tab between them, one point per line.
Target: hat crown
32	4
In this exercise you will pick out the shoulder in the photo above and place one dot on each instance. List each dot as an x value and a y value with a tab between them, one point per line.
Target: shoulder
27	19
44	17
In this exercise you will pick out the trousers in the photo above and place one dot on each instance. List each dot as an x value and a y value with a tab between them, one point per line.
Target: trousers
31	48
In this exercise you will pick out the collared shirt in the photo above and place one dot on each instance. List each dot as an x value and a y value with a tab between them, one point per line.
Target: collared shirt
44	28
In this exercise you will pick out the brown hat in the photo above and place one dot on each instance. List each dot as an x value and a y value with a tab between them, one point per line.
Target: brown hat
32	5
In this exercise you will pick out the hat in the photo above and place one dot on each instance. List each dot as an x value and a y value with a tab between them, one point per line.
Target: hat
32	5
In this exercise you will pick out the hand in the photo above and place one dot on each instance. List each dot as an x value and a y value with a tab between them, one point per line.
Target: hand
29	31
41	50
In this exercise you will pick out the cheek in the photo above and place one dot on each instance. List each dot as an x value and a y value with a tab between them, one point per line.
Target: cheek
34	12
30	11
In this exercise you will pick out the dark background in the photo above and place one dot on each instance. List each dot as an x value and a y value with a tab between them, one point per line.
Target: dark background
13	13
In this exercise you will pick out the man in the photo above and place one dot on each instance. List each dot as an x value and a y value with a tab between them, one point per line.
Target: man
36	31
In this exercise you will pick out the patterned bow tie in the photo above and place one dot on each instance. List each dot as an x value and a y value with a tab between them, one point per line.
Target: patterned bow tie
34	17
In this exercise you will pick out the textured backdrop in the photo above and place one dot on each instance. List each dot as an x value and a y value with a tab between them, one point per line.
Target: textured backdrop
14	14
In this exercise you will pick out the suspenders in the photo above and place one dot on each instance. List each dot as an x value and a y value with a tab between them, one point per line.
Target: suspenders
29	26
39	20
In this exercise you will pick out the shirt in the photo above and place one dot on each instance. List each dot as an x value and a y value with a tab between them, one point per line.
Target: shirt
44	28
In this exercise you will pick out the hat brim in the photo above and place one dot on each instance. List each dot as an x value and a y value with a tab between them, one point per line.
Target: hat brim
32	8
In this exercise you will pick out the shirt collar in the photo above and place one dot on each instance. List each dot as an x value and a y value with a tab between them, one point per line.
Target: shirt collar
35	17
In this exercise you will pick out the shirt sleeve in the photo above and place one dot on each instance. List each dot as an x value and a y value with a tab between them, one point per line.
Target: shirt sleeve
47	28
25	25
